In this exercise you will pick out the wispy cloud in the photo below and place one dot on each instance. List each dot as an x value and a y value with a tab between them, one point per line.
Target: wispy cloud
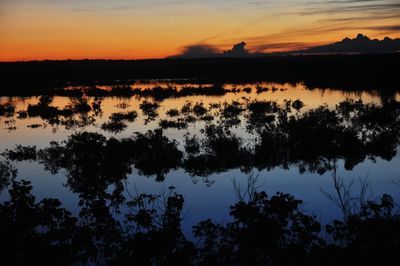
376	16
283	46
320	29
353	6
385	28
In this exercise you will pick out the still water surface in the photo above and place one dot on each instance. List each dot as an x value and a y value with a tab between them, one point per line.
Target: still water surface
209	193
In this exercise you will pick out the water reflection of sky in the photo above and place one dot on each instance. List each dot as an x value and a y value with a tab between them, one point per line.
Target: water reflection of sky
42	136
202	201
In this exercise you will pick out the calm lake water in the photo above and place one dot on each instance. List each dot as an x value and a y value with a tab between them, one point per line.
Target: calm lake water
207	185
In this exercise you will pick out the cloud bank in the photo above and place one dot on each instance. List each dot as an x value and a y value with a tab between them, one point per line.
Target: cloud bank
205	50
361	44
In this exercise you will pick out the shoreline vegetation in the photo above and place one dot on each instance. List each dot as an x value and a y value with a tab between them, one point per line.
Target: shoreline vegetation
347	72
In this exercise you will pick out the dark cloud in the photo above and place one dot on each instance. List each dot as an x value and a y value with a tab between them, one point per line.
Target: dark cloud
198	50
238	50
361	44
204	51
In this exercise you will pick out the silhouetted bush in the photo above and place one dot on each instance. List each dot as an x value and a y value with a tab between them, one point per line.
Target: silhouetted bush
37	232
155	154
117	121
263	231
7	109
22	153
149	109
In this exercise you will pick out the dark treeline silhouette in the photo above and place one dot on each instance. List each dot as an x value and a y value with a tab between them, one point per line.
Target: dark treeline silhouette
263	231
283	136
328	71
157	93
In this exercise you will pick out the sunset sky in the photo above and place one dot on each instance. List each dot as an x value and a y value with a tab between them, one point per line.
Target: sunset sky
133	29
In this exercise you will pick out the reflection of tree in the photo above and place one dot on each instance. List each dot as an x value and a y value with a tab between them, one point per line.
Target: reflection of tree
263	231
74	115
369	230
92	162
7	174
311	140
154	229
149	109
37	232
117	121
282	136
230	114
219	151
154	154
352	131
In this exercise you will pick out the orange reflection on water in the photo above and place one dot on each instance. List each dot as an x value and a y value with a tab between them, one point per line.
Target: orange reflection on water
46	131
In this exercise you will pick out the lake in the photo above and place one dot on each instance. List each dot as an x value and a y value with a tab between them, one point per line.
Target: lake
204	140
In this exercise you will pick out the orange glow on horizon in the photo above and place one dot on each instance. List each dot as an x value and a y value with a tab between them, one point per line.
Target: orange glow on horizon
69	30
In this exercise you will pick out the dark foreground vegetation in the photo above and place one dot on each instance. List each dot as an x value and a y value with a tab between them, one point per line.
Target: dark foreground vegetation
328	71
263	231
